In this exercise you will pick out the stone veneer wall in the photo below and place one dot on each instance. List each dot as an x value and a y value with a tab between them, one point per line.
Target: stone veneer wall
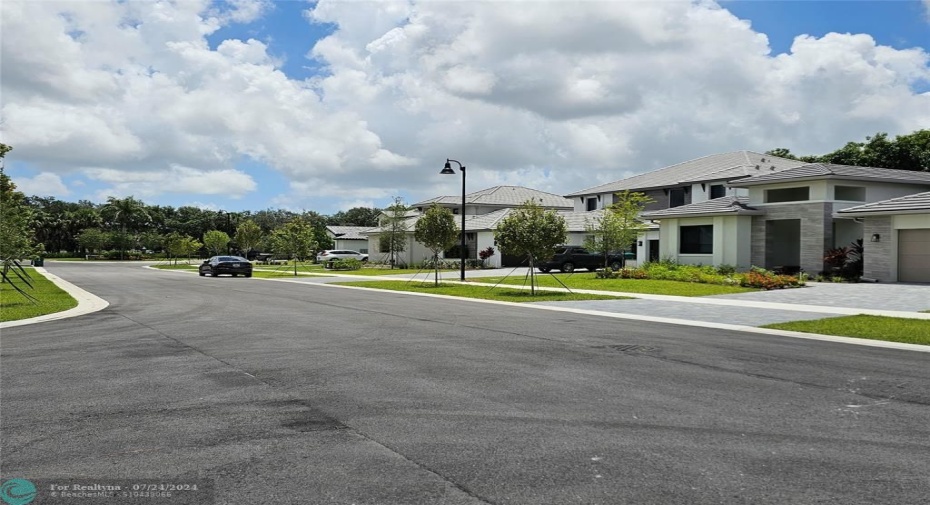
878	256
816	232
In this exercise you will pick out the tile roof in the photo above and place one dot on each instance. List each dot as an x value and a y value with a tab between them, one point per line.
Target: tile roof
709	168
919	203
348	232
725	206
821	170
506	196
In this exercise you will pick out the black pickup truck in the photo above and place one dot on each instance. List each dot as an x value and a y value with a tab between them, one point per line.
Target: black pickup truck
569	257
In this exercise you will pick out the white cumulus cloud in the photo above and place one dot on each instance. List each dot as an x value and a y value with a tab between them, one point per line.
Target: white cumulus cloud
553	95
44	184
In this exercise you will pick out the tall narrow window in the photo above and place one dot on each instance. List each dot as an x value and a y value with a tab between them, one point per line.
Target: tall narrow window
676	197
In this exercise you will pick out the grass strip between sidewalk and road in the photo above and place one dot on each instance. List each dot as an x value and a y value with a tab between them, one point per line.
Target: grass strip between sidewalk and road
645	286
499	293
890	329
51	299
179	266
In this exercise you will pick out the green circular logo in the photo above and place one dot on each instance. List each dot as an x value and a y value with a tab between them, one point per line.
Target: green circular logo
18	492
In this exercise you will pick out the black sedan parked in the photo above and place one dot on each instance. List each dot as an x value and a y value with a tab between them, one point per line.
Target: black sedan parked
233	265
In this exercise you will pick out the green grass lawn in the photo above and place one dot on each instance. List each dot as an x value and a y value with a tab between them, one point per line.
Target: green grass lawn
647	286
14	306
481	292
379	271
892	329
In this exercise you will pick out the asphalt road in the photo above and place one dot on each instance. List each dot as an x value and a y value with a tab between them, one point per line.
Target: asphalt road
297	393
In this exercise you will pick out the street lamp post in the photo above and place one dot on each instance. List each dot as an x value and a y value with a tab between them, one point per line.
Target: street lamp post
447	170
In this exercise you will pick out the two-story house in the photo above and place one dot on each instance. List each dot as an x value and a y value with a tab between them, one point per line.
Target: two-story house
785	219
691	182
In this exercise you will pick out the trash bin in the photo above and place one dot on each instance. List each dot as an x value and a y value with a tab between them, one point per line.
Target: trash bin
38	262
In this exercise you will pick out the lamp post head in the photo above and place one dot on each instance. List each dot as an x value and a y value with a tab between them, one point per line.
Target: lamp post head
446	170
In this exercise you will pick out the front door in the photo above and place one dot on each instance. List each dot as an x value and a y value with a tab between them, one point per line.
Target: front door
653	251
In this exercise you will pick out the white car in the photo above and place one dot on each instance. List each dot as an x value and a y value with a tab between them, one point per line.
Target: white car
339	254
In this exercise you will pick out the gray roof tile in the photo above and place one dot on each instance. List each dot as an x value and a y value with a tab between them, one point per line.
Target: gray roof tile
709	168
821	170
917	203
505	196
348	232
728	205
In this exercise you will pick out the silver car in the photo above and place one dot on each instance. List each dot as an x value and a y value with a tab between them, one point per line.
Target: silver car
339	254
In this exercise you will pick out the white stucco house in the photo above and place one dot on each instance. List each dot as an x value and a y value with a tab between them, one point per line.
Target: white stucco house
483	210
746	208
788	219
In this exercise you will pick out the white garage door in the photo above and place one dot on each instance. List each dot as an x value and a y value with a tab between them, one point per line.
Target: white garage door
914	255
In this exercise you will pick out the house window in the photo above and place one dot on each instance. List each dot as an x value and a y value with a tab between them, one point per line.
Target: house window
676	197
787	195
592	203
455	211
718	191
849	193
696	239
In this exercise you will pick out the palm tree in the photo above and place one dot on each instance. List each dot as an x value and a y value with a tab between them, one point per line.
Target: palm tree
126	212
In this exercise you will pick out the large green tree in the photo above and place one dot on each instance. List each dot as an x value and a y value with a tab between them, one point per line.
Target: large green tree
618	225
904	152
93	239
356	216
533	232
216	241
129	214
436	230
248	236
295	240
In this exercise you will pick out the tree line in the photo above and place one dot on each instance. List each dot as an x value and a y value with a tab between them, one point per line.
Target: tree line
904	152
128	224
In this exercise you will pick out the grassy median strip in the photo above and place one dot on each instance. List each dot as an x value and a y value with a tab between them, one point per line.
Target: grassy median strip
179	266
891	329
51	299
645	286
274	274
482	292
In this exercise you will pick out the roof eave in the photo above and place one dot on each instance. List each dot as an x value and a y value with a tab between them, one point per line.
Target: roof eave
880	212
705	214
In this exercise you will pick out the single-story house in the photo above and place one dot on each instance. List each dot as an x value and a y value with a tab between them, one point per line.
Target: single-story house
349	237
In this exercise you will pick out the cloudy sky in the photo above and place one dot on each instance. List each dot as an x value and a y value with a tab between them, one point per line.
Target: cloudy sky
250	104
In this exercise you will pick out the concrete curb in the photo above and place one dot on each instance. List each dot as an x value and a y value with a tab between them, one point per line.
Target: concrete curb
87	303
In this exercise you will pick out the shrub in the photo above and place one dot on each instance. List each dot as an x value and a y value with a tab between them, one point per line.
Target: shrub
764	279
344	264
726	269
